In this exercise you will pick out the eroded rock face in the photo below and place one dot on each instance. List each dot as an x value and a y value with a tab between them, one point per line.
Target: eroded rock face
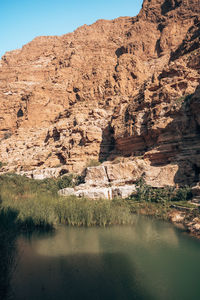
43	173
122	88
129	171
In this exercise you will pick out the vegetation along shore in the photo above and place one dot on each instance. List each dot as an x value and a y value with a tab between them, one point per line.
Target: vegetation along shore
37	205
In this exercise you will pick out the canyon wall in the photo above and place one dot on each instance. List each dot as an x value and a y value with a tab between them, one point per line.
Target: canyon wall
124	92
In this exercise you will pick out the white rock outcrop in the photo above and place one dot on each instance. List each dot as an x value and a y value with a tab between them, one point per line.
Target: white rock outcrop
42	173
99	192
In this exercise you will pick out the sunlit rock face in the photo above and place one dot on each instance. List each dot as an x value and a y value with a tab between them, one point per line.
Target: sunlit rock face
96	193
126	88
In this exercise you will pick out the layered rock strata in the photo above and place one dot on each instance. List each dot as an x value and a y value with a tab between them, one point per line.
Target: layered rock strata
124	91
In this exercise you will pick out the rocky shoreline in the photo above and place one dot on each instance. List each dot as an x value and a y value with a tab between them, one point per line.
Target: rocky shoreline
110	181
188	216
189	221
155	202
185	218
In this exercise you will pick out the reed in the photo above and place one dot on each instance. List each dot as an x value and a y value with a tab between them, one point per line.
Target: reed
38	205
83	212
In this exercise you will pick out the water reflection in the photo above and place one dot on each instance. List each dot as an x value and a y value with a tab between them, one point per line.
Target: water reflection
69	241
95	240
149	260
80	276
8	252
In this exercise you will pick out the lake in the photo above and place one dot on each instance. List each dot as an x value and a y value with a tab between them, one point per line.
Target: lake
147	260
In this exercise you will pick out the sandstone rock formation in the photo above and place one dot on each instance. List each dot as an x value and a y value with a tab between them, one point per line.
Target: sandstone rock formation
126	92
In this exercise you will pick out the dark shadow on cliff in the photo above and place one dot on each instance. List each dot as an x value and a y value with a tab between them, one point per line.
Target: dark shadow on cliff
107	144
169	5
190	43
179	142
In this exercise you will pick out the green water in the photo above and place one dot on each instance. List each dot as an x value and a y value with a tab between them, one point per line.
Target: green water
148	260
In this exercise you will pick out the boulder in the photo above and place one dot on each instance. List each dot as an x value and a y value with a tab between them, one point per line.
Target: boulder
123	191
96	176
99	192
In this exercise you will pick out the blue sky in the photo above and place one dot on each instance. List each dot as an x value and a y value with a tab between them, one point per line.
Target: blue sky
23	20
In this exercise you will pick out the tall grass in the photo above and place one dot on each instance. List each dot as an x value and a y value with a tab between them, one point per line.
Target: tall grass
38	205
30	199
84	212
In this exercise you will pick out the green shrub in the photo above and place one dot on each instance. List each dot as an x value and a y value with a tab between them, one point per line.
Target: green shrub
21	185
36	203
93	163
161	195
65	181
183	194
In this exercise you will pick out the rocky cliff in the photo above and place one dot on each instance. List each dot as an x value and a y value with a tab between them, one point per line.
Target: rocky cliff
124	92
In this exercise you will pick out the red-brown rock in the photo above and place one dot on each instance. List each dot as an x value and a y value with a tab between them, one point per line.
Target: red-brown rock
122	88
